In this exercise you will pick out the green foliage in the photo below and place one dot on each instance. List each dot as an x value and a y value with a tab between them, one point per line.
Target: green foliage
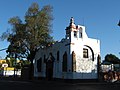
112	58
8	62
11	62
24	62
25	37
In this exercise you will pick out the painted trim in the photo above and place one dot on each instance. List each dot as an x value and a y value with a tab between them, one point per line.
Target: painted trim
91	51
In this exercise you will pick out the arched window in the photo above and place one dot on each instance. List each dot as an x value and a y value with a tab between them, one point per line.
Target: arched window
73	61
85	53
80	32
39	65
58	55
64	63
44	58
75	34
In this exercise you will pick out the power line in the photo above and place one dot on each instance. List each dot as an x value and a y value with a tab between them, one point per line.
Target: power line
3	49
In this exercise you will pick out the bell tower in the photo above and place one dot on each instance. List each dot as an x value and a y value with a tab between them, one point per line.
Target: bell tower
75	32
70	28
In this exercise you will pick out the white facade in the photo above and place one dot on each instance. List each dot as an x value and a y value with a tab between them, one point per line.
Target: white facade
74	57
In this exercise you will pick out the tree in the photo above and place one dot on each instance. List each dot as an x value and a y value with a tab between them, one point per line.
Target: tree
27	37
112	58
11	62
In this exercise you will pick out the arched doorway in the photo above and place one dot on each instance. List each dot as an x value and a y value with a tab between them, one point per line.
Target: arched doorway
49	67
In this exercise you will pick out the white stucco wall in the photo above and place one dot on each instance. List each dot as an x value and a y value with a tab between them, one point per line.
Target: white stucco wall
86	68
59	46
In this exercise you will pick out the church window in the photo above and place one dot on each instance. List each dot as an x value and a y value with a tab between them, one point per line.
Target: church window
80	33
73	61
64	63
57	55
39	65
75	34
85	53
44	59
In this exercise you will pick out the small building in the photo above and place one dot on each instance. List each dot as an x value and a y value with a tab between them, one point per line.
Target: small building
109	66
74	57
7	70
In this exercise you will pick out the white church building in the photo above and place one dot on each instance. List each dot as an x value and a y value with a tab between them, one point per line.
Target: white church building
74	57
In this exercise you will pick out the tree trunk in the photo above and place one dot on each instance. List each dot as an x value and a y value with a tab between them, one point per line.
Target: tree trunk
31	71
31	68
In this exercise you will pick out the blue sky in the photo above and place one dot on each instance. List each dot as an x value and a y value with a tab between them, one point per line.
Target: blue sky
100	18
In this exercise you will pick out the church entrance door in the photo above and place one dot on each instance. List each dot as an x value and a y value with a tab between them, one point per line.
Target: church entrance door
49	69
